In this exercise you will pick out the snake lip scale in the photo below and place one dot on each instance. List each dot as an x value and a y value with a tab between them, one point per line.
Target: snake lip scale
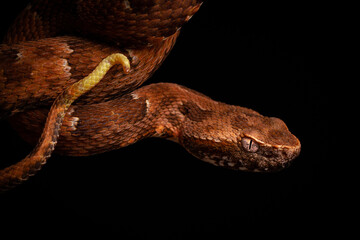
70	77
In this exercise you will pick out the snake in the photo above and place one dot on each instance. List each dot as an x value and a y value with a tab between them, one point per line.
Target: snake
70	82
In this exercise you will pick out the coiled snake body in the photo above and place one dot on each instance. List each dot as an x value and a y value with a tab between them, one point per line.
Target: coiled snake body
54	44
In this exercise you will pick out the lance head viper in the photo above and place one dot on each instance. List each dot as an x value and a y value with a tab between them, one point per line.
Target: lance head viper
116	112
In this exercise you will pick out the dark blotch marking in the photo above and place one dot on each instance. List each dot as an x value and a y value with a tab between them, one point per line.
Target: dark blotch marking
8	55
194	112
9	64
244	120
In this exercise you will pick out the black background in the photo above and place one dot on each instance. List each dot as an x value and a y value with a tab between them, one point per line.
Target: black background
259	56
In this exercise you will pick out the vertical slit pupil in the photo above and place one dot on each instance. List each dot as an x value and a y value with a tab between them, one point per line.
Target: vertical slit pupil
250	144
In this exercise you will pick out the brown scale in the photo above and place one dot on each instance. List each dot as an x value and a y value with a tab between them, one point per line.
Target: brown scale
62	61
210	130
38	60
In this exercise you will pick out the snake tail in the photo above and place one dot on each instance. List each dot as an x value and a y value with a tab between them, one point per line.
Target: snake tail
32	163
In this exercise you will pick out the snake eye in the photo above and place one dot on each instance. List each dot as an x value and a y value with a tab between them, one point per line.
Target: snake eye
249	144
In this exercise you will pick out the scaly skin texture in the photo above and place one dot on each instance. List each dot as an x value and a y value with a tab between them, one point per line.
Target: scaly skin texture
40	62
21	171
210	130
34	73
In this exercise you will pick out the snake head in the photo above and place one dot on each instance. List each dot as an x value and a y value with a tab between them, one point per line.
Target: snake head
242	139
267	146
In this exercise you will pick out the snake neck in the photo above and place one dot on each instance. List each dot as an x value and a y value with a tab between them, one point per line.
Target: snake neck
177	112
